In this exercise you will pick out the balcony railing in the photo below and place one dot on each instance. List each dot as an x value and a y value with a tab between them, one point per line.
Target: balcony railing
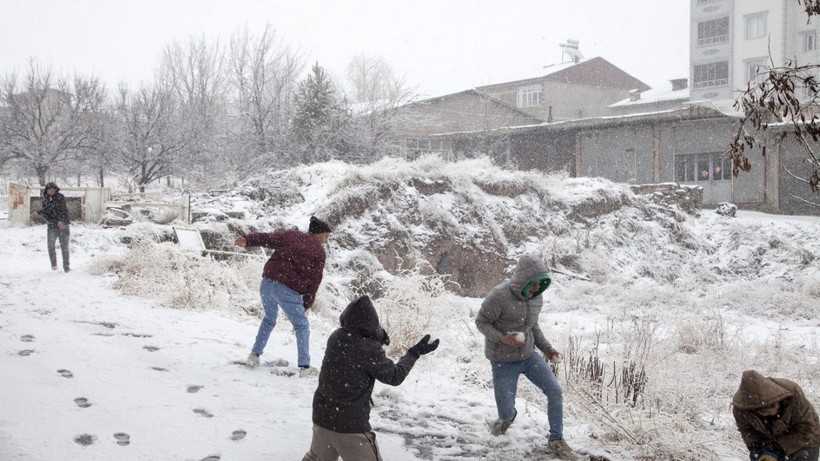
712	83
712	40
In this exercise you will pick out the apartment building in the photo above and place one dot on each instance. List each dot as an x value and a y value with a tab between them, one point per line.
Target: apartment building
732	41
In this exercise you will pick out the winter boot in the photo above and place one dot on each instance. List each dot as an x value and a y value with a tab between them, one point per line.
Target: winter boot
253	360
499	427
560	449
305	372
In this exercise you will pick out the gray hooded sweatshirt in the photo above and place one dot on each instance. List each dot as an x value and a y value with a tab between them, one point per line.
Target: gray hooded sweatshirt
507	309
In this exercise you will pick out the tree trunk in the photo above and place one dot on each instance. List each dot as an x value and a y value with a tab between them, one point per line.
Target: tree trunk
42	171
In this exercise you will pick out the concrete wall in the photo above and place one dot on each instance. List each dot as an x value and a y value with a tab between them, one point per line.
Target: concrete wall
461	112
792	194
567	101
646	152
623	154
84	203
543	151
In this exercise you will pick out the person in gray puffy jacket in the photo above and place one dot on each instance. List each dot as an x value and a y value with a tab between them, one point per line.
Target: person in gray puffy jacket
508	319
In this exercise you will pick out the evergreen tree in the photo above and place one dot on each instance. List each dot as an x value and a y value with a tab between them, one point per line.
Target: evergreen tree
320	119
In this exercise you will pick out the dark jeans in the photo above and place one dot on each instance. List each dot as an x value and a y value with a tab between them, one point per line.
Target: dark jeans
53	235
805	454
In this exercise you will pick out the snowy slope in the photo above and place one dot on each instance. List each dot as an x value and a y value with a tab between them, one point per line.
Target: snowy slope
693	299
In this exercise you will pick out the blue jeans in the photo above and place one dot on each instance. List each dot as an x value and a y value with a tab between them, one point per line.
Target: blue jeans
274	295
535	368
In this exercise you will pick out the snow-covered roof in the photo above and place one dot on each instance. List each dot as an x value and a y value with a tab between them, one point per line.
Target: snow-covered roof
527	72
661	93
724	106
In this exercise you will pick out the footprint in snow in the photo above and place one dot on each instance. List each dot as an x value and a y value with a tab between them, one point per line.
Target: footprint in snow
211	458
65	373
27	338
193	389
82	402
203	412
150	348
138	335
159	369
85	439
25	352
238	435
122	438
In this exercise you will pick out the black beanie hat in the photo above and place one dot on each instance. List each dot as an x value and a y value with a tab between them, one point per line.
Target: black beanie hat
317	226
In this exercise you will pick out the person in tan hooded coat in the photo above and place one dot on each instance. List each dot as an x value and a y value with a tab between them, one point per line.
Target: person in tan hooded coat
775	419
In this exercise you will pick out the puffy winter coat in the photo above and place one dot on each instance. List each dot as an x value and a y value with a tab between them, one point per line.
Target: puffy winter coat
796	424
354	360
508	308
54	207
298	260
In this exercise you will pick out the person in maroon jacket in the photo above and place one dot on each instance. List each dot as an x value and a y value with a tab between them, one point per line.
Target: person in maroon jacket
354	360
290	280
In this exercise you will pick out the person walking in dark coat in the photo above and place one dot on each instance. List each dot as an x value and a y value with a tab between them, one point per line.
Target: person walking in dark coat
775	419
290	280
508	319
55	212
354	360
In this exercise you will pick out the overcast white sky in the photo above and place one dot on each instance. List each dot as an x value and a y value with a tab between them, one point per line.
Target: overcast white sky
441	46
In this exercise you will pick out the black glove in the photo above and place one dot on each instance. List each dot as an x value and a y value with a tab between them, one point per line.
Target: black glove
423	347
385	339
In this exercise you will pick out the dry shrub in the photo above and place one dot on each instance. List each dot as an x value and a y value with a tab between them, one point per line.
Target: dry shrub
409	306
183	279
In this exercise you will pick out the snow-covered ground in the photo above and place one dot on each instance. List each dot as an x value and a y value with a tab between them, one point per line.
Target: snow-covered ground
85	367
164	377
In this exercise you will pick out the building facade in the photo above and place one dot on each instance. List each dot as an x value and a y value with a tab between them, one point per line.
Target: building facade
732	41
568	91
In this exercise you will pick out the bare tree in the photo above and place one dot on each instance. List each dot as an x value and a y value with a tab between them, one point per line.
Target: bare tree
195	74
787	98
264	72
374	91
47	120
148	133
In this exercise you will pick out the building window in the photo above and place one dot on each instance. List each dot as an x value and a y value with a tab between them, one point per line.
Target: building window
529	96
712	166
755	69
809	41
756	25
712	74
715	31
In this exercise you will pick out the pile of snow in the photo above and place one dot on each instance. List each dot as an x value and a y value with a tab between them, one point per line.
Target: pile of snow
659	315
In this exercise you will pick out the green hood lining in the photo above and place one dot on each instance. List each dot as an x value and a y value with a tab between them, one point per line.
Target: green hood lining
539	278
